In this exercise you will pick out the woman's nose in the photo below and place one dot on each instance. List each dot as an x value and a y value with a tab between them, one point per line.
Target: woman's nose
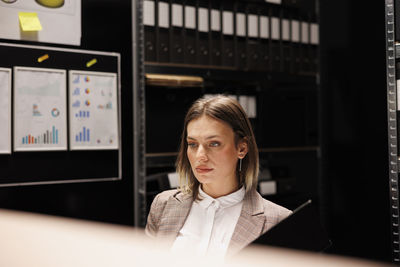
201	153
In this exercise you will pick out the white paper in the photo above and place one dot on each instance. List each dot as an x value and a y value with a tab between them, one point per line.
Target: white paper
173	178
264	27
227	22
285	30
148	13
314	33
252	28
304	32
240	24
60	25
93	110
295	31
243	102
275	28
177	15
274	1
267	188
190	17
40	109
252	107
215	20
248	104
163	15
5	111
203	19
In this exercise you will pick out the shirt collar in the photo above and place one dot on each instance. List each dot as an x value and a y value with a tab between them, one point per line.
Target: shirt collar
224	201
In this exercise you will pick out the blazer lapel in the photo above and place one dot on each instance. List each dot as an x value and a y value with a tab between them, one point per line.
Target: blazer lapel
250	224
174	215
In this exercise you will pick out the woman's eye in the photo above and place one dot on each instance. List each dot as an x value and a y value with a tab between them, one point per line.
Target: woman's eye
214	144
192	145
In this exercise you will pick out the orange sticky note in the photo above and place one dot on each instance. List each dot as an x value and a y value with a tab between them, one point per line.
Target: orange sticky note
29	21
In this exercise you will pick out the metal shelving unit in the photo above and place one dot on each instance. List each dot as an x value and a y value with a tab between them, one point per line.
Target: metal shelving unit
391	55
138	115
237	60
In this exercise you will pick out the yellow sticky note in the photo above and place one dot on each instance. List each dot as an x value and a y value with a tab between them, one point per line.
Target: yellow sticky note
29	21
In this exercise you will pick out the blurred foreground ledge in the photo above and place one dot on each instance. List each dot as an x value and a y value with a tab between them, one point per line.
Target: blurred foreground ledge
38	240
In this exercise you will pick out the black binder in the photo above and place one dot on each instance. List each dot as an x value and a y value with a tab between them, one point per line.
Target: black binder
300	230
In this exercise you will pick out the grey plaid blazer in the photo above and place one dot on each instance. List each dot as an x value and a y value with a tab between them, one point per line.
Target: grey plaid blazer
170	209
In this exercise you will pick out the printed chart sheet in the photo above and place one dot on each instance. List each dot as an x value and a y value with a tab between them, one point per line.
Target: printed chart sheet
40	101
5	111
93	110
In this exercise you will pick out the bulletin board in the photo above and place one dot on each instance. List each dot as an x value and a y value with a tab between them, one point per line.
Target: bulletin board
60	115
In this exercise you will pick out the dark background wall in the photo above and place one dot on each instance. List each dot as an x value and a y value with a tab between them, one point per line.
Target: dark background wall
354	120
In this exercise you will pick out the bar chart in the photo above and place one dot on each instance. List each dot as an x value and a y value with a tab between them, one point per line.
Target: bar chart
82	114
83	135
48	137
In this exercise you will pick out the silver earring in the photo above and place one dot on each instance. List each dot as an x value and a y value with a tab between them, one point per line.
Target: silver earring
240	165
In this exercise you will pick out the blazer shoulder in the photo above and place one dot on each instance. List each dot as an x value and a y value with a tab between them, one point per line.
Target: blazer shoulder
273	213
271	208
166	195
157	209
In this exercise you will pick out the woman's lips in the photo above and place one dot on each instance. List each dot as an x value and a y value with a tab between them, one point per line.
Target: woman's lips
203	169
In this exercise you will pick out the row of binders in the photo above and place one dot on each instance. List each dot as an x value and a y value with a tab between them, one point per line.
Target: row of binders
246	36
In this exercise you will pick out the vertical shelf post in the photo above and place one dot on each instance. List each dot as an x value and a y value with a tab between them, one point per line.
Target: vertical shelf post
392	126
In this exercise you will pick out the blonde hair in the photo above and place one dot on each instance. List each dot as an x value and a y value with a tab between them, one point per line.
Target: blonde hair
228	110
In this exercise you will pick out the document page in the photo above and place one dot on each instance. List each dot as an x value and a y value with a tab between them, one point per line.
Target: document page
40	114
93	110
5	111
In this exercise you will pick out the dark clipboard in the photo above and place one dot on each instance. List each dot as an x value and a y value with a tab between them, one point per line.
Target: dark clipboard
300	230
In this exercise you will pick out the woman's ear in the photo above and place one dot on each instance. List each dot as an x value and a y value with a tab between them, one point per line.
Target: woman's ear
243	148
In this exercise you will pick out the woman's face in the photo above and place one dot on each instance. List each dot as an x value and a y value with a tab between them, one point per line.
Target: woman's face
212	152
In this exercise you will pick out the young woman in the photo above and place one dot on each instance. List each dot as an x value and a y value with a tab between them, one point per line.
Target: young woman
216	209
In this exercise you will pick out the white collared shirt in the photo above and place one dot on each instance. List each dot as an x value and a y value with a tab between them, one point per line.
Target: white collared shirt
210	224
